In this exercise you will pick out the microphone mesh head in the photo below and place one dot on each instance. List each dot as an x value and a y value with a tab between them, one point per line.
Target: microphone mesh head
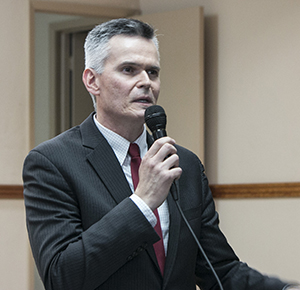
155	118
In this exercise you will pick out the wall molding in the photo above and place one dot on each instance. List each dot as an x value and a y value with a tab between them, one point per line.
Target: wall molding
11	192
256	190
225	191
82	9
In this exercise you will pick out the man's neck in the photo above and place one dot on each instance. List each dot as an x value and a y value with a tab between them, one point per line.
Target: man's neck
130	133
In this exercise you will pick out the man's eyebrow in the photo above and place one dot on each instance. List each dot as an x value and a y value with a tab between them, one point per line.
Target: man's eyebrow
155	67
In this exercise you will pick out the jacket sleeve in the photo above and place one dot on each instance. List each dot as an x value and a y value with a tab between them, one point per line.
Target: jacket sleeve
233	273
68	257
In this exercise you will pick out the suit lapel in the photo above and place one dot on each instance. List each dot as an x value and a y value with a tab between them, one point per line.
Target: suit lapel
104	161
110	172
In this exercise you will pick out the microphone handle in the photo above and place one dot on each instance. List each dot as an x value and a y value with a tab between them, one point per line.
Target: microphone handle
159	133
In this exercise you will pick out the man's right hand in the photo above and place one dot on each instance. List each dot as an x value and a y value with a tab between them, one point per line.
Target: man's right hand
158	169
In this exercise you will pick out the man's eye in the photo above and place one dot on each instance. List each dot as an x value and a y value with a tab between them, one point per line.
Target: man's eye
153	73
128	69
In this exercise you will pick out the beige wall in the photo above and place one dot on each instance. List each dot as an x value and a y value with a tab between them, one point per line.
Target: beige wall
14	94
14	88
15	262
252	69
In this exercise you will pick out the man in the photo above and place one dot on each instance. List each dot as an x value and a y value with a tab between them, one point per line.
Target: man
91	224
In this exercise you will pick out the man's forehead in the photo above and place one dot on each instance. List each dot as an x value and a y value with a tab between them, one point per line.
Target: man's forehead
130	41
132	48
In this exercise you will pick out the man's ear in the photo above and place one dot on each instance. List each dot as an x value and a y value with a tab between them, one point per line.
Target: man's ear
91	82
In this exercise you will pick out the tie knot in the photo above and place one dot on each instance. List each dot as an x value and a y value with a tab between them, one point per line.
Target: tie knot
134	150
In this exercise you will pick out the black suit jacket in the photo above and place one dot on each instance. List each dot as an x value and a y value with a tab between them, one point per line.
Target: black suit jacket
86	233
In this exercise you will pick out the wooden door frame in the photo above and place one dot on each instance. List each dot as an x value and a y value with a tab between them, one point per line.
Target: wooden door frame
70	8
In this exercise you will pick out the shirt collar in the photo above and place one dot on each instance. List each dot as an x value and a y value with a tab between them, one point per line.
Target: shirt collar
119	144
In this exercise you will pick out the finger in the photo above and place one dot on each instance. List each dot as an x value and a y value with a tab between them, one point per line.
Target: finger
171	161
156	146
165	151
176	173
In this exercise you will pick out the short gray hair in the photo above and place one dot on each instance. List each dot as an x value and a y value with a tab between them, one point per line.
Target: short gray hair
96	46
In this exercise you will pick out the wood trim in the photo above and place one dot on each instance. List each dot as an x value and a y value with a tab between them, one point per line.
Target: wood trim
259	190
11	191
81	9
225	191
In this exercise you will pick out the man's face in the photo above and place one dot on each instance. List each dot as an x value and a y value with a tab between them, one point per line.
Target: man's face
129	83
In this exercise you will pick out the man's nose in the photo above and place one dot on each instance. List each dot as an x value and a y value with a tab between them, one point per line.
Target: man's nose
144	80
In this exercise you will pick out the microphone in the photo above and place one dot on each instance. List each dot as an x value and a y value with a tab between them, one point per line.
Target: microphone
156	120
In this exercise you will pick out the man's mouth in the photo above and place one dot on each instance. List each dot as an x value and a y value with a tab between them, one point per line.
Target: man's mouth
144	100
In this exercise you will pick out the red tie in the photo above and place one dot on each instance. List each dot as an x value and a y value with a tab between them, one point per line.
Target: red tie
134	152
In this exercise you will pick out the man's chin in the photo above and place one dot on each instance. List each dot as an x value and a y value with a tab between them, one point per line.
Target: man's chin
143	106
140	108
146	105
